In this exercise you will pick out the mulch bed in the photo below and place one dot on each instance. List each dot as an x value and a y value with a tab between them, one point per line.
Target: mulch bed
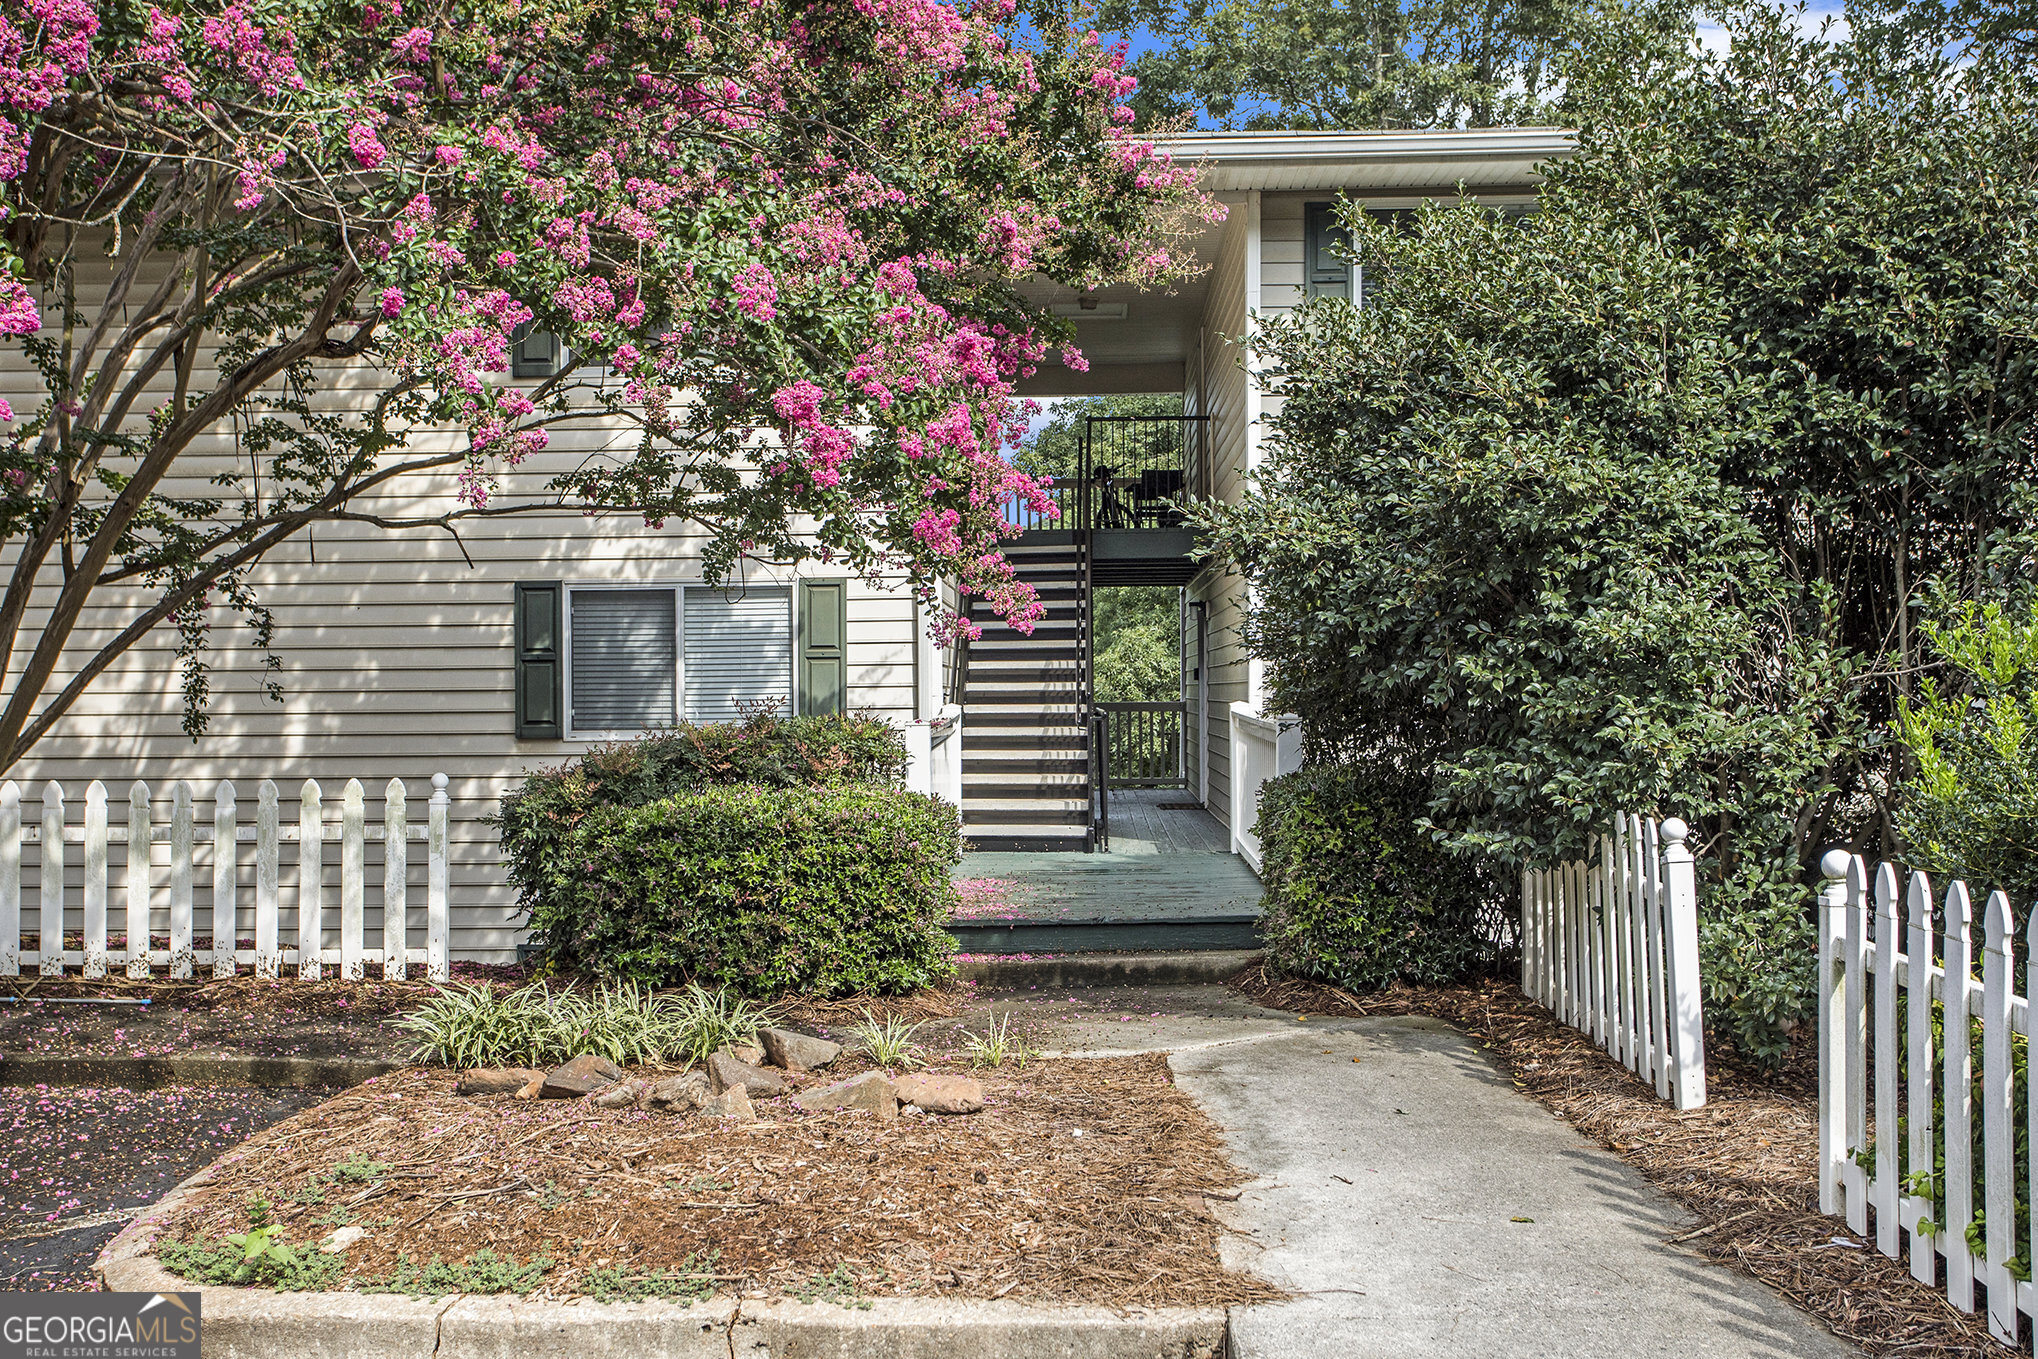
1082	1181
1746	1164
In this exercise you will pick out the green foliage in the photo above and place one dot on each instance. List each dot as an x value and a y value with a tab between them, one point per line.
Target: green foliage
1358	895
1312	64
1140	664
834	890
768	750
839	1285
255	1258
691	1281
1758	959
1968	806
482	1272
1630	502
997	1044
469	1026
889	1042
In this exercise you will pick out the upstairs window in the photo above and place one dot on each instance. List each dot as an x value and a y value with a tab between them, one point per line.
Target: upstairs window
1326	252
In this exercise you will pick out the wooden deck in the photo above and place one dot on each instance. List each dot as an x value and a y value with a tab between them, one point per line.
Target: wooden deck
1169	882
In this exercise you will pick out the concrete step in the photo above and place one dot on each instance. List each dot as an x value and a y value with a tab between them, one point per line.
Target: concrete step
1006	764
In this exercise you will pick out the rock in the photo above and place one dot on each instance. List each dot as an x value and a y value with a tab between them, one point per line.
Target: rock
870	1092
496	1080
725	1071
533	1090
732	1104
337	1243
586	1074
798	1052
682	1094
940	1094
751	1054
628	1095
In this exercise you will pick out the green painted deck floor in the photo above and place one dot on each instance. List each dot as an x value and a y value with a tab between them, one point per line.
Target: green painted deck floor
1169	882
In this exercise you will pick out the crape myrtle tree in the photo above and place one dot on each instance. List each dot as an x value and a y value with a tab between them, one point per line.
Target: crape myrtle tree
1638	501
781	240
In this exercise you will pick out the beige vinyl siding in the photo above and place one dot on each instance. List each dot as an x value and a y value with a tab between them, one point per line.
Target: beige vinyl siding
1281	281
1223	396
397	657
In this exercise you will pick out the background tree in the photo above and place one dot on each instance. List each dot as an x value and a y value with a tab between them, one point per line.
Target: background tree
1322	64
1634	502
780	242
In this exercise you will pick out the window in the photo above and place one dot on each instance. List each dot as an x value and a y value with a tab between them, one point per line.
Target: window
1330	266
1326	252
641	658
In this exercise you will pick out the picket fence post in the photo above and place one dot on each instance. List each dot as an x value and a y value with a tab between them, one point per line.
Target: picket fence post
10	879
268	850
438	920
310	881
1686	1018
181	836
49	883
95	880
140	837
226	933
395	884
353	882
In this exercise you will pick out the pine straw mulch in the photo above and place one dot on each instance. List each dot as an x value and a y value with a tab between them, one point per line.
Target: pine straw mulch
1009	1202
1746	1164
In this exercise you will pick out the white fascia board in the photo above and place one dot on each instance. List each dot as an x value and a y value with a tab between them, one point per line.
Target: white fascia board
1341	148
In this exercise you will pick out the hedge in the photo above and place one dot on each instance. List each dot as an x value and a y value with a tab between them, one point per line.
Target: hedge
771	751
825	891
1357	894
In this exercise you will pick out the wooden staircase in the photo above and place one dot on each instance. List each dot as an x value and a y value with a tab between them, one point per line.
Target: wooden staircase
1025	743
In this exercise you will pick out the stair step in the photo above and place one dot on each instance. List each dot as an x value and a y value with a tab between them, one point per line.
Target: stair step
1024	814
1024	840
1024	762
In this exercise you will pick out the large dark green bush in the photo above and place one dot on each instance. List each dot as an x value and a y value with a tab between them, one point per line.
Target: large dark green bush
772	751
827	891
1359	895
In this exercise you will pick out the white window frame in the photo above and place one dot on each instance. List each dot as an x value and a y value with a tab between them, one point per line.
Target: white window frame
678	591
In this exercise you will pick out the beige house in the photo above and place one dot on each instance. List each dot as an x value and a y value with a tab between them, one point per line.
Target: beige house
523	641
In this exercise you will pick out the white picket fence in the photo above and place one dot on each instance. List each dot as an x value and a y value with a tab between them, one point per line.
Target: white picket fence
1611	948
1880	956
261	905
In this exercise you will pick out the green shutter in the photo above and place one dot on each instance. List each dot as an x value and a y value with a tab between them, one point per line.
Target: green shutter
540	669
824	646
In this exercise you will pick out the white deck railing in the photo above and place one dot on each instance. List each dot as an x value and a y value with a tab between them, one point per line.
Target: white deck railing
260	903
1262	748
934	755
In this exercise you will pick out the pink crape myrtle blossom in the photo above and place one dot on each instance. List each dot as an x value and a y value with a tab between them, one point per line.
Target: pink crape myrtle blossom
782	243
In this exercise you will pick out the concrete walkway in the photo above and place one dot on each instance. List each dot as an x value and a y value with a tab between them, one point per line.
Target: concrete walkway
1417	1205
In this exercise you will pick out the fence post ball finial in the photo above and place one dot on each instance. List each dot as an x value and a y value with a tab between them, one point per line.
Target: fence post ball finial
1675	832
439	782
1835	864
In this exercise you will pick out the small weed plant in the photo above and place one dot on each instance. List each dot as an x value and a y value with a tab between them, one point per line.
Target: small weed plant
693	1280
839	1286
482	1272
997	1045
469	1026
257	1257
890	1041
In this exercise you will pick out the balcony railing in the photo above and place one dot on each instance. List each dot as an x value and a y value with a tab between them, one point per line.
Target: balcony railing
1136	468
1143	744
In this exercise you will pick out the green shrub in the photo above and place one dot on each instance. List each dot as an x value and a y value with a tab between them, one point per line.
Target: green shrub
1968	805
837	890
771	751
469	1026
1358	895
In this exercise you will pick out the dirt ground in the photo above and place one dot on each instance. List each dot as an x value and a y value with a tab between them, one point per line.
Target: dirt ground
1746	1164
1081	1181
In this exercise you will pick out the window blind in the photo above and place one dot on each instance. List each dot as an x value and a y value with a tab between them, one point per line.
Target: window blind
739	651
624	649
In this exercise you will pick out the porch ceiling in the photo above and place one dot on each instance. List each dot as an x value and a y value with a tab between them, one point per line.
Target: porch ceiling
1146	349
